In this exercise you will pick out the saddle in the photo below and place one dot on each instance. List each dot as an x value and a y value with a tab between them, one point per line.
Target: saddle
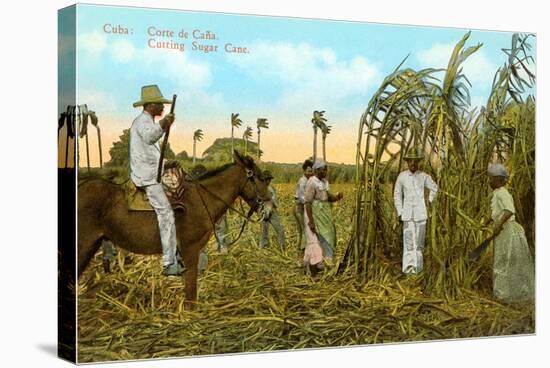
173	181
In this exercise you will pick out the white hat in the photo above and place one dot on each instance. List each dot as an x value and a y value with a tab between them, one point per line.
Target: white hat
497	170
318	164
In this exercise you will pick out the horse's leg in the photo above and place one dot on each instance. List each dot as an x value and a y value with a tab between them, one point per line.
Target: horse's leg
88	244
191	261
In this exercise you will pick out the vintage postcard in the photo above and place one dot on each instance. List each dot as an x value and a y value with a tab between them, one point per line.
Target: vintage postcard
242	183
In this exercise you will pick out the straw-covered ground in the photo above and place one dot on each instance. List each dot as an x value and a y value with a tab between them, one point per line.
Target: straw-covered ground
260	300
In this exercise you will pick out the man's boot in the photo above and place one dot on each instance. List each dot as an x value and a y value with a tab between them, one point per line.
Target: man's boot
172	270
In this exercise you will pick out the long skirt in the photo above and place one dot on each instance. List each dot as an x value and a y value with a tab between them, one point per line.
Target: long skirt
322	215
513	266
313	253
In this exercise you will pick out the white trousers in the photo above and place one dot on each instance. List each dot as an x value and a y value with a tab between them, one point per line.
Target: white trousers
167	224
414	235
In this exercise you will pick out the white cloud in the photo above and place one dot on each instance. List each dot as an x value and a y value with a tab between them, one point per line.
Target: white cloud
187	73
97	98
478	68
311	77
92	44
191	78
123	51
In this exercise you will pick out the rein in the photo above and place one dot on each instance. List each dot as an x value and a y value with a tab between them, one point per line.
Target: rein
250	177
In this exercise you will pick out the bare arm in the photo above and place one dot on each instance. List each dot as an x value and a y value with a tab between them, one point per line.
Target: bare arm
335	197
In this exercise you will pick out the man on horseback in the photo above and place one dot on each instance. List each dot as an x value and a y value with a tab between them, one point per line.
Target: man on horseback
144	158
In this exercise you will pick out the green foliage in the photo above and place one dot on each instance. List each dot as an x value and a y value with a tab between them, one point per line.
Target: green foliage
262	123
198	135
183	155
220	151
235	121
119	151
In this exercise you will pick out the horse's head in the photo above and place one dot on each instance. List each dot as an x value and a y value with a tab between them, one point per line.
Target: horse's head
254	191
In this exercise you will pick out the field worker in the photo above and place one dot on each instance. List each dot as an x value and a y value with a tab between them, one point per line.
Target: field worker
221	234
320	229
513	268
108	254
144	158
273	219
410	204
307	168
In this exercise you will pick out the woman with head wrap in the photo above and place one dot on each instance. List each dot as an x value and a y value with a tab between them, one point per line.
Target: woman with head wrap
513	268
307	168
320	228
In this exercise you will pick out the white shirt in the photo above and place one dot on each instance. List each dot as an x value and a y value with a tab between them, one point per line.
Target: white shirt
316	189
144	150
300	190
408	195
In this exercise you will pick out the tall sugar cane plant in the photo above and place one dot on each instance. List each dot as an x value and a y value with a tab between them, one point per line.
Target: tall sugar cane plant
386	130
509	126
413	108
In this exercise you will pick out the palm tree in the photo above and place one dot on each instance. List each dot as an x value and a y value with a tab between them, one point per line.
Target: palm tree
317	121
325	130
246	137
197	136
235	123
261	123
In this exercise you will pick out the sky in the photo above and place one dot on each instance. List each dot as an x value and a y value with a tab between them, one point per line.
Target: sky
291	67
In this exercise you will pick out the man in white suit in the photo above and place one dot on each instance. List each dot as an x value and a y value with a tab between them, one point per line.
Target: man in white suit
144	159
411	209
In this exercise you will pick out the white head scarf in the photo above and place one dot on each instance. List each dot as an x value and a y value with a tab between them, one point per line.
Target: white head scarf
318	164
497	170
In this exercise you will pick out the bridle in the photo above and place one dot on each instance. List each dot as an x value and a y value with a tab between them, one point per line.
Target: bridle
258	201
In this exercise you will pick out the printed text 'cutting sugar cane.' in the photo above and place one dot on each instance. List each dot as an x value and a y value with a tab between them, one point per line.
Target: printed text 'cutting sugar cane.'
203	41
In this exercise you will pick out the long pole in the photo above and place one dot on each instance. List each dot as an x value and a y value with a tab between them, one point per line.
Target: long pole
99	142
165	141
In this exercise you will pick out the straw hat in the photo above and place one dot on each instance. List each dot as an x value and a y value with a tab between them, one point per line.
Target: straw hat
151	94
414	153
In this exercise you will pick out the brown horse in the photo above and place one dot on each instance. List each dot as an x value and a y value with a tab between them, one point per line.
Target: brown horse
103	213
